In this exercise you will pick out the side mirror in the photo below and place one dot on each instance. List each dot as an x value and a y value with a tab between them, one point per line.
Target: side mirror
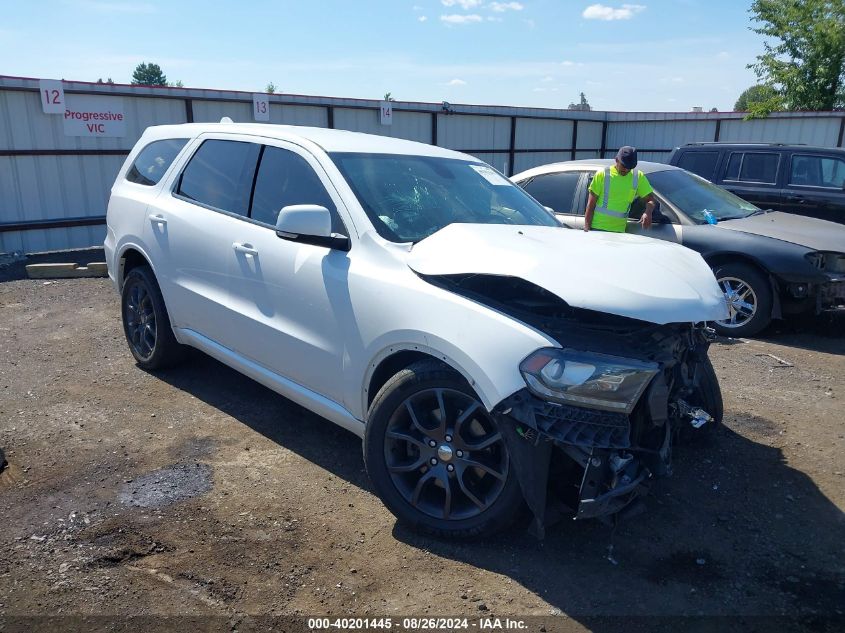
309	224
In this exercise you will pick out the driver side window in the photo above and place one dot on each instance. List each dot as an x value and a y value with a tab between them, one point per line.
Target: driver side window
285	178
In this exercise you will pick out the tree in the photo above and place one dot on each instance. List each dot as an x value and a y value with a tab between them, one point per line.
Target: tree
804	59
750	97
176	84
388	96
148	75
271	88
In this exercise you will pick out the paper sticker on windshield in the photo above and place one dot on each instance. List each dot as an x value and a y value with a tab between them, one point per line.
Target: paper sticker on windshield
490	175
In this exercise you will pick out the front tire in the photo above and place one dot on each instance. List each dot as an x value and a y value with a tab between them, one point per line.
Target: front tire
146	323
436	457
749	297
708	396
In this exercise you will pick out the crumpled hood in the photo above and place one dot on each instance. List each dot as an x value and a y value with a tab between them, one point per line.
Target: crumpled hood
620	274
819	235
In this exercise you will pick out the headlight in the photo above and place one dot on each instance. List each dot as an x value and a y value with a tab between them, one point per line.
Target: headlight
827	262
586	379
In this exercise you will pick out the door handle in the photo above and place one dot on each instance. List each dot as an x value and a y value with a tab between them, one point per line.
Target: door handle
157	219
795	199
246	249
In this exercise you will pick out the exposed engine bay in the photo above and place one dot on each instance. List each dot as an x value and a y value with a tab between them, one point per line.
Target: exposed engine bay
583	459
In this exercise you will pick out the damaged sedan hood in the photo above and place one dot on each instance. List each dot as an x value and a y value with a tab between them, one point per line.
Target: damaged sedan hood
620	274
819	235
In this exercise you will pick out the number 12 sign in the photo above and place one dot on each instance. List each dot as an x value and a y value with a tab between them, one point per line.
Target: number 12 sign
260	107
52	96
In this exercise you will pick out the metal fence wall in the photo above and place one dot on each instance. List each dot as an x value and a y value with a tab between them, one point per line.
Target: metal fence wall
54	188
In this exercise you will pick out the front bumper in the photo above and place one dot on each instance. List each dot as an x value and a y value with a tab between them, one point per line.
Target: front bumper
831	295
607	473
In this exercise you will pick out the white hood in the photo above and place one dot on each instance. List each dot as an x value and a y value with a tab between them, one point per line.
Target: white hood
621	274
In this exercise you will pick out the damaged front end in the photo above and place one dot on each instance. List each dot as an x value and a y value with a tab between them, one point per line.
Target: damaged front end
598	417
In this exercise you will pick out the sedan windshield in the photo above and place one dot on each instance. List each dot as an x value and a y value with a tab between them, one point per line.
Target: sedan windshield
694	196
407	198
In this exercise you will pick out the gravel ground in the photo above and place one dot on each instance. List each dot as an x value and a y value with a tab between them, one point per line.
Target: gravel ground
197	491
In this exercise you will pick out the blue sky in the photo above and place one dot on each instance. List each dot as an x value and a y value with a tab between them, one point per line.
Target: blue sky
638	55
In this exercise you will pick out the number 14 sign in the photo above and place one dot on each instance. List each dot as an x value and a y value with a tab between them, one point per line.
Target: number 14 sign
52	96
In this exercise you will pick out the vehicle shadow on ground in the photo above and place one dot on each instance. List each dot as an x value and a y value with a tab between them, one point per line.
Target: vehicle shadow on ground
822	333
734	531
273	416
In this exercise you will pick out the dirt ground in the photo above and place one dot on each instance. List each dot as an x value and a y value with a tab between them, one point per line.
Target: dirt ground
197	491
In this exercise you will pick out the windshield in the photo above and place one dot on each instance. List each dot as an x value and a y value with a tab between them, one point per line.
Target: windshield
694	195
407	198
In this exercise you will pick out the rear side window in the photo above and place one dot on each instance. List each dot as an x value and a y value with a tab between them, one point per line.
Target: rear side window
556	191
285	178
701	163
760	167
220	175
154	160
817	171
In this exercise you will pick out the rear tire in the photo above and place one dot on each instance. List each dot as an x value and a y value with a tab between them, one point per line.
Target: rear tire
749	297
461	487
146	323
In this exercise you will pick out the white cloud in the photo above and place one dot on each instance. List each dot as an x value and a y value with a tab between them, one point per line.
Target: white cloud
547	79
723	55
466	5
603	12
566	62
530	23
457	82
417	7
490	18
501	7
422	18
457	18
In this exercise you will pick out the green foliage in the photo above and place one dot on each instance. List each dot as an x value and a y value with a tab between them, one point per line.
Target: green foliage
804	59
176	84
271	88
388	96
761	93
148	75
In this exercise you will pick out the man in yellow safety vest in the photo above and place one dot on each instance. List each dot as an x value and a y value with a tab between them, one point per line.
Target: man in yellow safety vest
614	190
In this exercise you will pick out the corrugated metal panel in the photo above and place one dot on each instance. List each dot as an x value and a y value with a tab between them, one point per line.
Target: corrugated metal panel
414	126
299	115
804	130
467	132
586	155
55	187
52	239
543	134
589	135
654	157
213	111
534	159
659	135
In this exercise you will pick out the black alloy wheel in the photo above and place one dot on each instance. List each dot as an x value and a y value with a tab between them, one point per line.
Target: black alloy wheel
436	455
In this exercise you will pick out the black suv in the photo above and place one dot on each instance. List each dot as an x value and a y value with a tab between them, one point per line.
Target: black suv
794	178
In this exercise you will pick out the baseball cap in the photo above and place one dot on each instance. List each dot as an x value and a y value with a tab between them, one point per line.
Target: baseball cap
627	155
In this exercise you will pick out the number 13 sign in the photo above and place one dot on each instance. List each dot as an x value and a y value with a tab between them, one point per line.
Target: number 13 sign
52	96
260	107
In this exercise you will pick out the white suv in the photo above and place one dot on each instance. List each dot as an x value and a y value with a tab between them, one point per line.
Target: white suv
415	296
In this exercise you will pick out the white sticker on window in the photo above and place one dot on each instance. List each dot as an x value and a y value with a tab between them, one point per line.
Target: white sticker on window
490	175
